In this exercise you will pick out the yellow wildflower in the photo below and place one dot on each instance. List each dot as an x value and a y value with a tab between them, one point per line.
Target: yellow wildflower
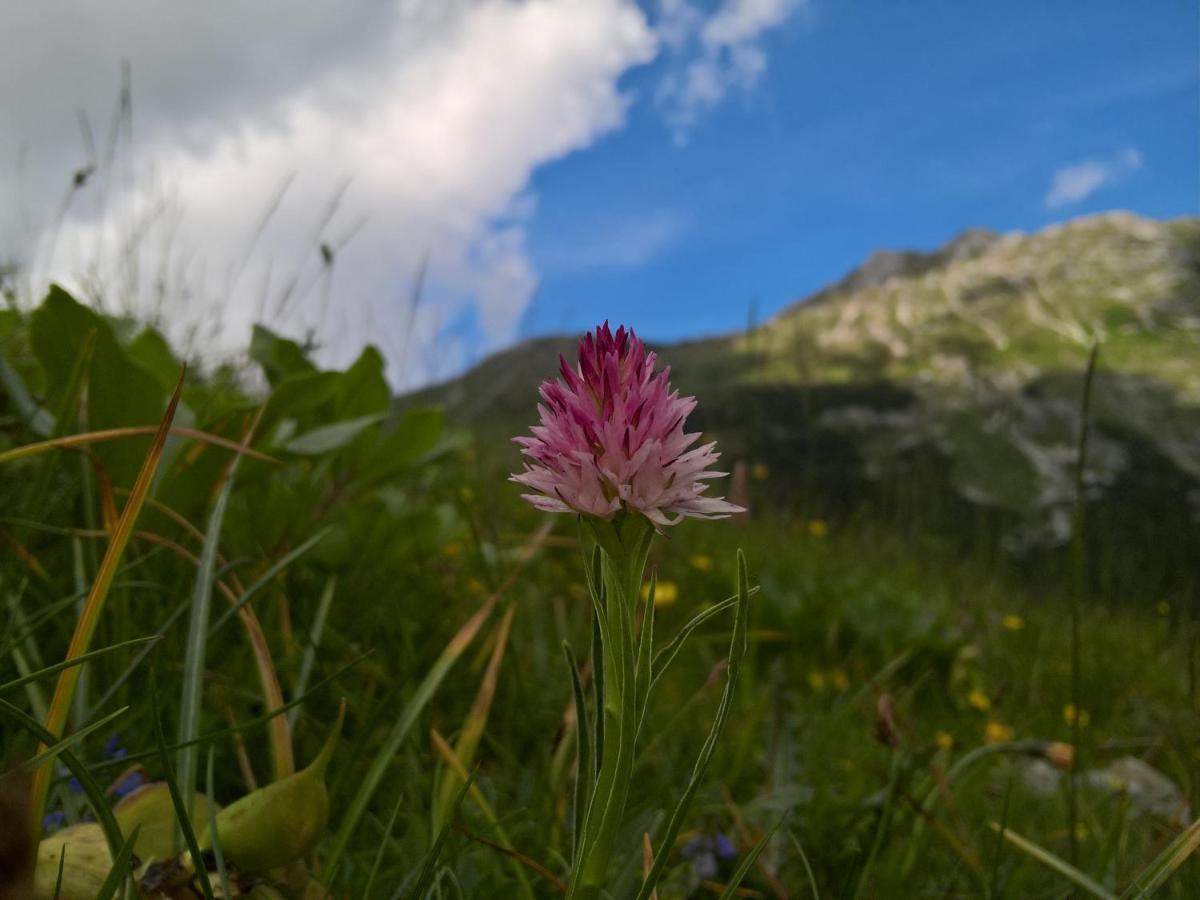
977	699
816	680
944	740
1013	622
665	593
452	549
702	562
818	528
475	586
1069	716
997	733
760	472
838	679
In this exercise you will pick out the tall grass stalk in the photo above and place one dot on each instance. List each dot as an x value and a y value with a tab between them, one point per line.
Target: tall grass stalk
1078	585
85	627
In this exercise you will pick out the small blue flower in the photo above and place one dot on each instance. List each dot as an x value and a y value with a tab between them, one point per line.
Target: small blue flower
113	749
54	820
723	846
127	785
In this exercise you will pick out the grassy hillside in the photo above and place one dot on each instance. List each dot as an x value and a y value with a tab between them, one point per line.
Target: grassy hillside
946	386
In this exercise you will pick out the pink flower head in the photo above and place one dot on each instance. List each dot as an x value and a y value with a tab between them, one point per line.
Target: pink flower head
612	437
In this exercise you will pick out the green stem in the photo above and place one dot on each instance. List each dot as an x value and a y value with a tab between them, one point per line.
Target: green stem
624	546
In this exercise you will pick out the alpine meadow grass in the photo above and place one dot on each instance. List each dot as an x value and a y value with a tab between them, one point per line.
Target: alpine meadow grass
306	641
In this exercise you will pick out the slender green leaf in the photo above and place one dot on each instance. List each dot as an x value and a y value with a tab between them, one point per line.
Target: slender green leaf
585	777
383	845
400	730
192	694
737	651
94	793
808	870
182	814
85	627
259	583
1058	864
314	641
119	872
429	863
739	874
79	660
218	853
73	738
1174	855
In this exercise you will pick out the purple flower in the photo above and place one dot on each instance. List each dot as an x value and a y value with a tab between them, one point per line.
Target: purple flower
612	437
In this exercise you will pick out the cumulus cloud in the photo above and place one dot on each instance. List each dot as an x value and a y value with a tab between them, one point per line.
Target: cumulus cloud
391	142
1075	183
715	54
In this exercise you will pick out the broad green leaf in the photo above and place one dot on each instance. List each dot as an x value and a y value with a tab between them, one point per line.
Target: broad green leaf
278	356
331	437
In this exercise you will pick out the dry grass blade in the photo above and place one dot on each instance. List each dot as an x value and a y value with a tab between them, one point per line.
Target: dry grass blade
85	627
514	854
446	752
114	434
476	721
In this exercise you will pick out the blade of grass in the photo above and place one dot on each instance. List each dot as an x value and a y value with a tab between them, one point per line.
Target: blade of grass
429	863
477	717
383	844
113	434
454	761
72	739
808	872
400	730
85	627
1174	855
264	719
265	579
181	810
1057	863
514	855
91	789
79	660
737	651
119	873
218	854
195	651
739	874
314	641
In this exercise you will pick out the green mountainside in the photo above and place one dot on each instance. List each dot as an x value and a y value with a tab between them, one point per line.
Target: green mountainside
946	386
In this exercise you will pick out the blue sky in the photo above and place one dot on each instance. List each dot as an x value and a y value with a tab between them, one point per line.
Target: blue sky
678	165
875	125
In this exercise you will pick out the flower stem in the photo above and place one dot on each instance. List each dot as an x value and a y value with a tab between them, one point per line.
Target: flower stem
624	545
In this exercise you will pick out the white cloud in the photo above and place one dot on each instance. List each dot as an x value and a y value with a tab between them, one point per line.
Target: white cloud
435	119
1075	183
715	55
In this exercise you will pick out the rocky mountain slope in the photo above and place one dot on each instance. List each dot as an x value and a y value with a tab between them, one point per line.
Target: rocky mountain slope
951	381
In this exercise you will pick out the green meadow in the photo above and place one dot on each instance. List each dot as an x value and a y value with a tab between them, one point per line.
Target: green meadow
966	664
